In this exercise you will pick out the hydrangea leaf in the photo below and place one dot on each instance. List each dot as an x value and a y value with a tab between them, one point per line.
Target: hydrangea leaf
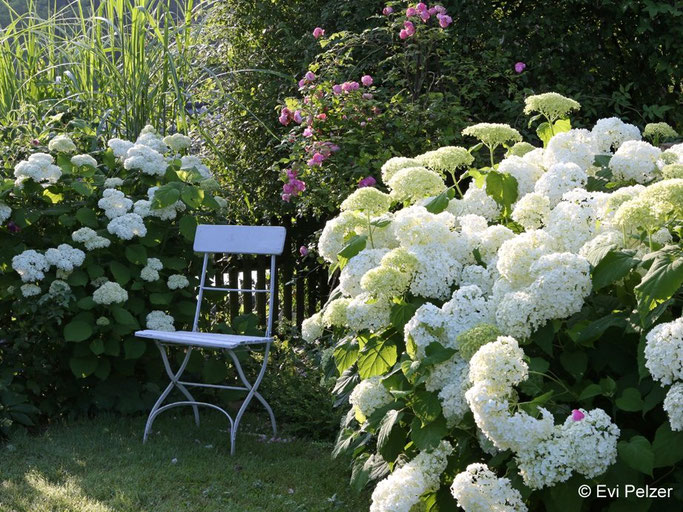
120	272
426	406
630	400
428	436
103	368
97	346
188	227
124	317
377	356
192	196
136	254
637	454
663	278
165	196
502	188
391	438
83	366
613	266
667	446
438	204
355	245
345	355
134	348
77	330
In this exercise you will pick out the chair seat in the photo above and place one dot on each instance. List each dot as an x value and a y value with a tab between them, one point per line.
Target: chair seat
202	339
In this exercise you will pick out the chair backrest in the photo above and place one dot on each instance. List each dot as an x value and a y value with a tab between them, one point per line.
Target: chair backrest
240	239
225	239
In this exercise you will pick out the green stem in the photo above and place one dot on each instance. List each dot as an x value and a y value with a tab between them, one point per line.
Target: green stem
372	244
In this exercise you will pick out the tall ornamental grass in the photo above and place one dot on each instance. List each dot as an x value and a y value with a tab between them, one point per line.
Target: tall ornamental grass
119	62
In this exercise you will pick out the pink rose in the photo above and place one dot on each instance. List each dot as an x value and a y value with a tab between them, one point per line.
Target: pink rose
337	89
519	67
297	116
410	28
303	250
411	11
387	10
318	32
308	132
421	7
366	80
367	96
310	76
577	415
302	83
444	20
316	160
367	182
425	15
440	9
403	34
322	116
284	119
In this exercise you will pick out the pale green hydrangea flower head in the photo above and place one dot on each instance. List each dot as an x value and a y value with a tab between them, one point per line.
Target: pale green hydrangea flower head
385	281
493	134
414	183
551	105
520	149
672	171
395	164
446	159
654	131
473	339
368	200
335	313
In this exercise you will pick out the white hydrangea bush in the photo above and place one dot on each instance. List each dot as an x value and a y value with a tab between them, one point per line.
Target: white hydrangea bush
97	244
515	313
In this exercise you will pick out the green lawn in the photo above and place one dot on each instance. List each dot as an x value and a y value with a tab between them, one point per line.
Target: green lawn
102	466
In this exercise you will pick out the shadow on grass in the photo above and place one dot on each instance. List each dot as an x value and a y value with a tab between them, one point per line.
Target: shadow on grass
101	465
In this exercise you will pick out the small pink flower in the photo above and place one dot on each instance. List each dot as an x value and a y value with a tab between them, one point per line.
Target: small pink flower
337	89
284	119
433	11
577	415
291	174
316	160
308	132
302	83
421	7
35	142
363	124
387	10
297	117
318	32
444	20
411	11
440	9
366	80
322	116
425	15
367	96
303	250
350	86
410	28
403	34
286	197
367	182
310	76
519	67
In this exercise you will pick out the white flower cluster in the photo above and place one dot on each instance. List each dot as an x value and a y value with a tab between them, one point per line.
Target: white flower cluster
143	207
635	160
61	144
664	361
127	226
177	142
113	182
177	282
110	293
114	203
478	489
189	162
545	453
90	239
65	257
312	328
119	147
150	272
402	489
5	212
83	160
39	167
610	133
369	396
31	265
145	159
160	321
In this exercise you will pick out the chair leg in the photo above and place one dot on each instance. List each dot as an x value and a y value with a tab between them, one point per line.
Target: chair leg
252	392
174	383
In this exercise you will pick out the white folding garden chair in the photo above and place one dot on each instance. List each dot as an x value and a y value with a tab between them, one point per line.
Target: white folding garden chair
209	239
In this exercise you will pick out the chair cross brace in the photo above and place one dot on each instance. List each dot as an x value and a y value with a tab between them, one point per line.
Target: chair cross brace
181	385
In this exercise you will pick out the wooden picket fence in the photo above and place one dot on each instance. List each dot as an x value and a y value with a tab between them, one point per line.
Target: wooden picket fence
302	285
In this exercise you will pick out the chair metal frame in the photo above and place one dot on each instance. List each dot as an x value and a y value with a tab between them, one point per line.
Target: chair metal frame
208	242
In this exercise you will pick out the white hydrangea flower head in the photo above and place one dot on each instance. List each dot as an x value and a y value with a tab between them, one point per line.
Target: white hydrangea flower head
426	326
39	167
365	312
677	149
559	179
546	463
489	241
83	160
65	257
574	146
367	200
59	287
415	226
30	265
146	159
312	328
452	395
479	276
610	133
500	363
127	226
477	489
582	220
445	159
467	307
142	207
535	157
351	274
432	279
664	352
177	142
177	282
335	312
336	231
531	211
516	255
30	290
368	396
5	212
402	489
659	130
672	171
160	321
525	172
110	293
150	138
113	182
401	259
114	203
411	184
395	164
673	405
194	162
119	147
635	160
90	239
61	144
385	281
551	105
475	201
149	274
